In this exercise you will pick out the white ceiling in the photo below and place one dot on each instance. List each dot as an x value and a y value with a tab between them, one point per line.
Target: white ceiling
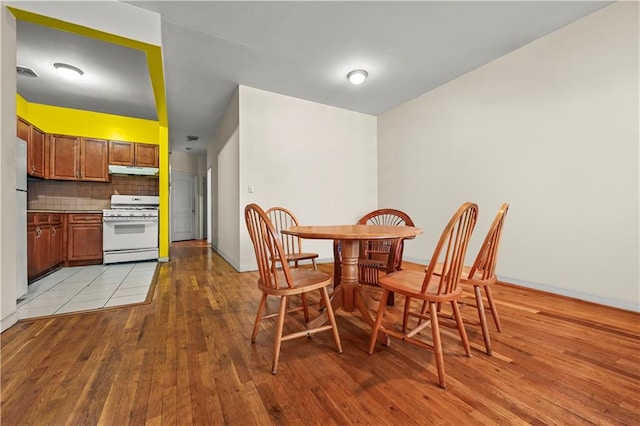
301	49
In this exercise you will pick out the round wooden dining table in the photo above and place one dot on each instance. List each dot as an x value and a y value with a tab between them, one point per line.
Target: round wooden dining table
347	295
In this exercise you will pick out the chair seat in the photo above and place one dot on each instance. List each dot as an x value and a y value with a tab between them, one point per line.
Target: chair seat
292	257
304	280
409	283
465	279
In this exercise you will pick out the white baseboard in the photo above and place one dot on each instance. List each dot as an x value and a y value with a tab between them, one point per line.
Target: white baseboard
9	321
593	298
229	261
606	301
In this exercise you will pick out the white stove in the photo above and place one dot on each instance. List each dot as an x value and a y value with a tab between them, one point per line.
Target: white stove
130	228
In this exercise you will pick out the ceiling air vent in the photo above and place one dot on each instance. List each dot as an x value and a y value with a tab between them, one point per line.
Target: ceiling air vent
26	71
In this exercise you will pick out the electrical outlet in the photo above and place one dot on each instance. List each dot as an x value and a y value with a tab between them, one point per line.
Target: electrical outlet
250	189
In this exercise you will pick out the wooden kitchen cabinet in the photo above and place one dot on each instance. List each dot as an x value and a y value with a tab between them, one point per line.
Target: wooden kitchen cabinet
57	243
82	159
23	129
147	155
36	148
33	252
133	154
37	153
45	240
84	238
94	158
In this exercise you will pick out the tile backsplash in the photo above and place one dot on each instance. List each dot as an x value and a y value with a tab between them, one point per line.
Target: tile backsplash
63	195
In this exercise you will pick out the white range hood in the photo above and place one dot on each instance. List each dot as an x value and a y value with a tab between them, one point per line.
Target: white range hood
133	170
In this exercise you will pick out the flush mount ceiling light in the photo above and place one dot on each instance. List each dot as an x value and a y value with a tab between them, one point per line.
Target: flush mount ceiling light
357	76
192	138
67	70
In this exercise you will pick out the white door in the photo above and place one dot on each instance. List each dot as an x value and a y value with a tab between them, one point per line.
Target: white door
183	206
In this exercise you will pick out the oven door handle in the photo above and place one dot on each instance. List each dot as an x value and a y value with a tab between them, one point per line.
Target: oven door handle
119	220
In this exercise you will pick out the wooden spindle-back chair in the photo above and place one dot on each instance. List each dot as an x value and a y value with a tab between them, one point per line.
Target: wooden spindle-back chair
283	218
432	288
284	282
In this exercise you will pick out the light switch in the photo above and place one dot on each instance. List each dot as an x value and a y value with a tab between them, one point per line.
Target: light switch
250	189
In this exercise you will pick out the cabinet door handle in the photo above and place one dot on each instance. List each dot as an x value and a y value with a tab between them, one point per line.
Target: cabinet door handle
38	232
33	168
53	231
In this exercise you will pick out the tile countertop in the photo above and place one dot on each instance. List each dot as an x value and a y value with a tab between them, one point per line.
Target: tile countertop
63	211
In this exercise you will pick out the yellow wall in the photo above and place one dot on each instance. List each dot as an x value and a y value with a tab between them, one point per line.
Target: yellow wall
66	121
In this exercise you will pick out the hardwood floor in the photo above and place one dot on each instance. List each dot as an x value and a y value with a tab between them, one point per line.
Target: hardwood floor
186	358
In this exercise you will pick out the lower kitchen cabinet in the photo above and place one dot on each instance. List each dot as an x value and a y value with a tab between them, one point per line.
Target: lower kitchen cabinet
55	239
45	239
57	243
84	238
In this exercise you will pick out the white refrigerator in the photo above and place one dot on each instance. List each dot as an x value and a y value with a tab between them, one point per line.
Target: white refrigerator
21	219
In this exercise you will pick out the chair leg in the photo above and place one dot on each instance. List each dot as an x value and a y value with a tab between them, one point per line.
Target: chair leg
256	323
392	299
315	267
278	338
332	318
305	307
461	329
376	326
437	343
483	319
405	314
494	310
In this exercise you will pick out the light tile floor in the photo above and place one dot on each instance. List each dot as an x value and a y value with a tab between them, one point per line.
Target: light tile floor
87	287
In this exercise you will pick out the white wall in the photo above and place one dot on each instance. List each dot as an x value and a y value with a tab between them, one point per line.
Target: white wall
222	158
551	128
229	212
8	305
318	161
187	163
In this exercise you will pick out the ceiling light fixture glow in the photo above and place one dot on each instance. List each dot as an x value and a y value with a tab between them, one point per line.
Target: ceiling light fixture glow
357	76
67	70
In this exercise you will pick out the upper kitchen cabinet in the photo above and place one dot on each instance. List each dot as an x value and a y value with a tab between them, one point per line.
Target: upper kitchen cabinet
82	159
24	129
133	154
147	155
93	160
36	148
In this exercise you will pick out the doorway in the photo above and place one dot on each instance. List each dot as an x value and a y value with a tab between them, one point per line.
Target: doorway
183	206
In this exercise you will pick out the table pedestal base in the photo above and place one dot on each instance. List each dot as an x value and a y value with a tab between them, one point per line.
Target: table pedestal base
359	304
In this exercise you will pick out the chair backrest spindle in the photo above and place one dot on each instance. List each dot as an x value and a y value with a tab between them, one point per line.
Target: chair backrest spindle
486	261
452	246
283	218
